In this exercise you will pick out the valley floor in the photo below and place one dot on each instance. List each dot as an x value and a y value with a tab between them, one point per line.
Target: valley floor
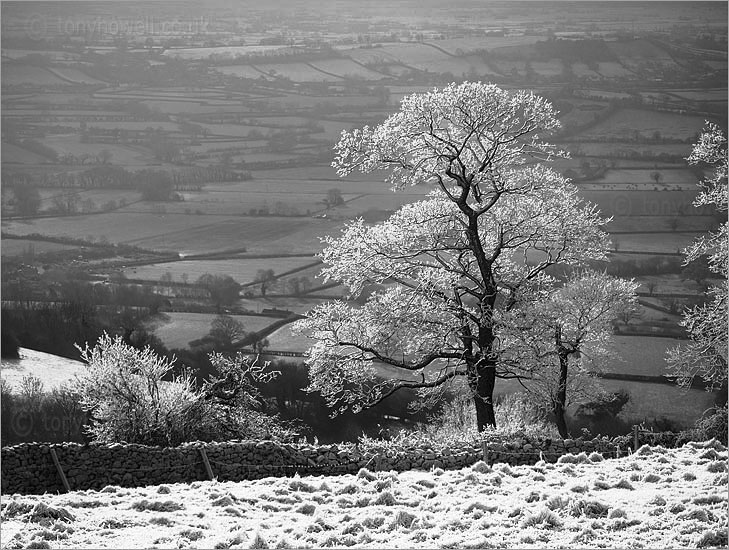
656	498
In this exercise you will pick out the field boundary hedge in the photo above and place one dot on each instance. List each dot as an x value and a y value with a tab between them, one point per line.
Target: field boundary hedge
35	468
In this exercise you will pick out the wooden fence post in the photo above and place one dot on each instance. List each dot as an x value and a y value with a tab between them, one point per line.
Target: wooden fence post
485	452
635	437
208	468
54	456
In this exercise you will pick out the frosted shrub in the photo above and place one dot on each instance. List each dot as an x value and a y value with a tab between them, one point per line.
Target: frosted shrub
716	466
365	474
557	502
131	397
259	542
589	508
403	519
712	539
307	509
385	498
544	518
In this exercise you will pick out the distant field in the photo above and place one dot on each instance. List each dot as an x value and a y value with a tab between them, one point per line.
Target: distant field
637	49
346	68
182	328
640	354
285	340
12	154
552	67
242	270
582	70
673	283
297	304
610	69
609	149
16	74
222	51
277	204
74	75
318	172
298	72
701	95
648	401
259	235
382	201
116	226
459	46
121	154
417	55
243	71
188	107
136	125
646	177
654	242
471	66
583	112
511	67
604	94
53	370
625	122
235	130
643	202
370	56
19	247
102	196
306	238
14	53
661	223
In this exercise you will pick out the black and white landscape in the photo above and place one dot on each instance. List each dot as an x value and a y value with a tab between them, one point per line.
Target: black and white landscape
349	221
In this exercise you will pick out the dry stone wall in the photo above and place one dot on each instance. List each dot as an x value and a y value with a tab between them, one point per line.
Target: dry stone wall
29	467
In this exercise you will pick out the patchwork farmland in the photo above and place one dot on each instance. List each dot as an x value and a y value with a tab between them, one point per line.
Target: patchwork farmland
150	162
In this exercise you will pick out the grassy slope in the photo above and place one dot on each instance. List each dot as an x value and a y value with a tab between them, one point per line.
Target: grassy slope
667	499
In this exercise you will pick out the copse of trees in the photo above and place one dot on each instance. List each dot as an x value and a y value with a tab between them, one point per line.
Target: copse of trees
27	199
223	289
455	263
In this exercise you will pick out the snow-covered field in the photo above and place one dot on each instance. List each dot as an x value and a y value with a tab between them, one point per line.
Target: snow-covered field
656	498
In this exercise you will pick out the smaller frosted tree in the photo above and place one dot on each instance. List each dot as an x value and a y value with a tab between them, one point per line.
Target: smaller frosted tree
123	390
559	335
133	395
705	355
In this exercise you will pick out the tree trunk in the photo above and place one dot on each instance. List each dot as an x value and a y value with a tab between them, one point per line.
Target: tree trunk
558	411
560	399
482	386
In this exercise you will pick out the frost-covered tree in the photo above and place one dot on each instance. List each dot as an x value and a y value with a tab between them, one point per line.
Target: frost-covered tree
496	221
705	355
558	337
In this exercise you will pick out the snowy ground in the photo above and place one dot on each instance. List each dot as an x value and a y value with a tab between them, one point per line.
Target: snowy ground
656	498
